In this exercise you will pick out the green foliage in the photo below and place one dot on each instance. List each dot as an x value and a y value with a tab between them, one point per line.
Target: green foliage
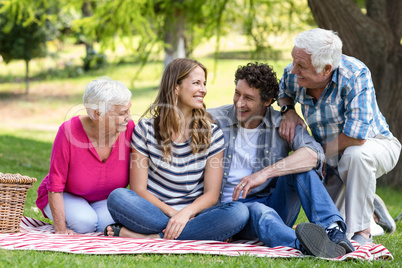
23	42
149	27
23	33
360	3
94	61
266	20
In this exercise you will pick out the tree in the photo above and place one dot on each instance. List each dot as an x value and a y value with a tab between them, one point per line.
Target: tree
373	37
188	23
23	42
269	20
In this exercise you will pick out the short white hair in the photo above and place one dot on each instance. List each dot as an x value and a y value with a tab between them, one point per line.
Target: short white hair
324	46
103	92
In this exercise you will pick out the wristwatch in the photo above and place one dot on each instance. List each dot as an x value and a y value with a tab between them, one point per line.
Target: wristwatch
286	108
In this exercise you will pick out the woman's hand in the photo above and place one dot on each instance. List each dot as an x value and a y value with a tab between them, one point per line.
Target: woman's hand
171	212
56	204
176	225
212	185
65	232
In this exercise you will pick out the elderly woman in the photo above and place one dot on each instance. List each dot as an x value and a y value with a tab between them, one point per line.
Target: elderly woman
90	158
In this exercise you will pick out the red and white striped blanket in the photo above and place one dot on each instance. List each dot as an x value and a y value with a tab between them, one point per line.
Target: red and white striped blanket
38	235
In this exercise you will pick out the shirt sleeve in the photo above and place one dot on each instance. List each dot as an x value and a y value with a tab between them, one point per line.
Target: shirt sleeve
286	84
139	139
358	105
59	161
217	141
303	139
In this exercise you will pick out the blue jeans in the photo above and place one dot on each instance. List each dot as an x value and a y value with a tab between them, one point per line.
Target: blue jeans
141	216
272	217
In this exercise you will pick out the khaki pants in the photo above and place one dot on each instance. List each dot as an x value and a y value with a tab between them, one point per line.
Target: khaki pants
353	188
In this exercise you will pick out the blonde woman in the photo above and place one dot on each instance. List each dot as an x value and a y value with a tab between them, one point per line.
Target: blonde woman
176	167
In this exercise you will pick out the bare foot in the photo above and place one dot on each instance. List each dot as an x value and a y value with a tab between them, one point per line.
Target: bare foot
124	232
376	219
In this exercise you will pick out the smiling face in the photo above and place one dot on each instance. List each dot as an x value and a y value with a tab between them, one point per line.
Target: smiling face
250	109
191	91
306	74
118	117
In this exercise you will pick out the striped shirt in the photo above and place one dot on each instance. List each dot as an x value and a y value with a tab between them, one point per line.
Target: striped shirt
179	182
348	103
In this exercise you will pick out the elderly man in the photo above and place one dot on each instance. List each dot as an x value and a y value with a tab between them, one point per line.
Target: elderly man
338	102
272	183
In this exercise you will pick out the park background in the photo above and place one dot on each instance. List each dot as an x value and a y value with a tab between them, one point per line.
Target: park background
52	49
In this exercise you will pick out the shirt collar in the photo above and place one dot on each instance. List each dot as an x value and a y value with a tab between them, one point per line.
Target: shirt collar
308	100
269	120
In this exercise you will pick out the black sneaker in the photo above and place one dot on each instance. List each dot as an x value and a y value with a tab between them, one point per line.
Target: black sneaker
315	241
337	236
299	246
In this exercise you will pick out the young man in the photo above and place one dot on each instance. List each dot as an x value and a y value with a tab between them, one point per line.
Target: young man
272	183
339	104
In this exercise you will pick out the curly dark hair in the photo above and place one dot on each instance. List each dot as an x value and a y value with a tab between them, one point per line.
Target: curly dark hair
260	76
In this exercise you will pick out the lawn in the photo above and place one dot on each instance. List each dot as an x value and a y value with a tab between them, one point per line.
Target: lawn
29	124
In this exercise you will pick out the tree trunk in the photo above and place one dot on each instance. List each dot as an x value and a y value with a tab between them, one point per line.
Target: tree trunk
175	36
26	77
374	38
86	10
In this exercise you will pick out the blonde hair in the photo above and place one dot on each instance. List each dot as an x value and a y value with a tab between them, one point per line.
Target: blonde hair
166	114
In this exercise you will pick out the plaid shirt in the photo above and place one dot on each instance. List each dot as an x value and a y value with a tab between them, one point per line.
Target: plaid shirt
348	103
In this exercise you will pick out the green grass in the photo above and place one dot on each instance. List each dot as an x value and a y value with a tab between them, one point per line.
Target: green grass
29	124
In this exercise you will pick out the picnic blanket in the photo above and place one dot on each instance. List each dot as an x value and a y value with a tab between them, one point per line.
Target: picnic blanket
39	235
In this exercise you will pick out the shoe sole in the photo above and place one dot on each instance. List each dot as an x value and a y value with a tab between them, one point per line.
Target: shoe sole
384	218
315	241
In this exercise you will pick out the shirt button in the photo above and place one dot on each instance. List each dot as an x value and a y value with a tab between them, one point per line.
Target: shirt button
225	174
229	156
234	138
266	151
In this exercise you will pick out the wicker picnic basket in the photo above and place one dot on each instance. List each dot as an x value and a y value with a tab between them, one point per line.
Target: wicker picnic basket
13	191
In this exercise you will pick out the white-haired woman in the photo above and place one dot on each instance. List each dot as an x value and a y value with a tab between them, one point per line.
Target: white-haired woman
90	158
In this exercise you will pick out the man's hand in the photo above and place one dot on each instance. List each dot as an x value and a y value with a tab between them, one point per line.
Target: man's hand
247	184
288	125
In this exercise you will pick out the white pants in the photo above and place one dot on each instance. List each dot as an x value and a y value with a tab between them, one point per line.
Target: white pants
360	166
83	217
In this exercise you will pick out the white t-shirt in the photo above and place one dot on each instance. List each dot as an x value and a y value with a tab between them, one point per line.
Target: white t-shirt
243	159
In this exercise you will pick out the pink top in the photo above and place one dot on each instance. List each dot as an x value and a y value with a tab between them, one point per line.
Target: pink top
76	168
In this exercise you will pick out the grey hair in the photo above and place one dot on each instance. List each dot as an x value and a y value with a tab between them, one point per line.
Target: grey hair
324	46
103	92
